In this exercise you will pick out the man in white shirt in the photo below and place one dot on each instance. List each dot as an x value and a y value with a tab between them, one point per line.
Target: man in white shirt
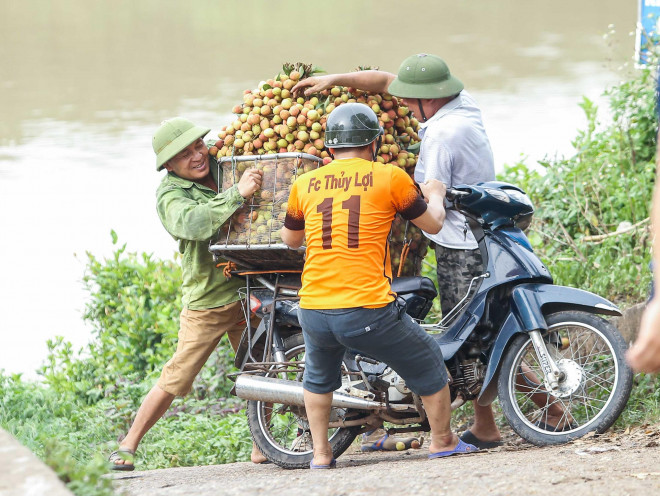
455	150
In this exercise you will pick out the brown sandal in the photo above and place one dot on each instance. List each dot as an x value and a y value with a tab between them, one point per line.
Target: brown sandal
122	454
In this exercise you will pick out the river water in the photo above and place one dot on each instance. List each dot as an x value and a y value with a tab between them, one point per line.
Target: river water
84	83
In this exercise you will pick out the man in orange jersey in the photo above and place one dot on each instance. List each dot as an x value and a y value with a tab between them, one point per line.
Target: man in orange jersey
344	211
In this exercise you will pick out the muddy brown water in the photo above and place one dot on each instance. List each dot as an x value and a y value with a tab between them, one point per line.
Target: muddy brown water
84	84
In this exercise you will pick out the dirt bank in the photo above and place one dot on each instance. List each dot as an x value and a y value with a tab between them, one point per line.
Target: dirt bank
615	464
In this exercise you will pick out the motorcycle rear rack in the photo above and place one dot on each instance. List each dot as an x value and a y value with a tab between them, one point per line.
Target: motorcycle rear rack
281	292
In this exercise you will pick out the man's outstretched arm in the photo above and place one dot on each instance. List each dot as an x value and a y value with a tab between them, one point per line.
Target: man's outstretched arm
373	81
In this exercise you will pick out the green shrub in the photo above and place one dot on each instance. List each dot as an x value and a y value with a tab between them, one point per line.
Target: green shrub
133	308
606	185
59	430
133	311
644	403
75	438
90	396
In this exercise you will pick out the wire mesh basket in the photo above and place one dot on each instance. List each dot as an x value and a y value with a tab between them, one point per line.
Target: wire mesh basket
251	237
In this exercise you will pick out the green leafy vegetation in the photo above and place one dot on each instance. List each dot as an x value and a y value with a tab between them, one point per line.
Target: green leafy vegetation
89	397
592	209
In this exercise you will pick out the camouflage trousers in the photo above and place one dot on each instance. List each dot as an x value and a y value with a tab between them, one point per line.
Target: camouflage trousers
455	270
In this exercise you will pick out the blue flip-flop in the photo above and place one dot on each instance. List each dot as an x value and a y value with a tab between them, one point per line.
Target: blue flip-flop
460	449
376	445
332	464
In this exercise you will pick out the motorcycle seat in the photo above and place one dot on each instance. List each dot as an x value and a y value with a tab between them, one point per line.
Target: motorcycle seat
422	286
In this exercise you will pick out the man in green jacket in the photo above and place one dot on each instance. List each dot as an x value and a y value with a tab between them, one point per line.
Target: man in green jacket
192	208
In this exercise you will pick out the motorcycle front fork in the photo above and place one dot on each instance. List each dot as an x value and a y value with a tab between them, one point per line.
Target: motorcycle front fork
551	371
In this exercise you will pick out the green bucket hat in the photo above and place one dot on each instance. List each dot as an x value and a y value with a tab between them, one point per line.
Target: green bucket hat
174	135
424	76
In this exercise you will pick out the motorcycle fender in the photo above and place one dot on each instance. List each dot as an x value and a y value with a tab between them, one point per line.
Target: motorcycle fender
550	298
530	302
509	329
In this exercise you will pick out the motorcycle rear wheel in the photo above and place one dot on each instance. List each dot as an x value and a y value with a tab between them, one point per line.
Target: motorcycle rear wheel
589	350
276	427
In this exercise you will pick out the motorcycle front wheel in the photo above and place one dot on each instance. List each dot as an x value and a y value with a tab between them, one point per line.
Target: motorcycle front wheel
282	432
593	390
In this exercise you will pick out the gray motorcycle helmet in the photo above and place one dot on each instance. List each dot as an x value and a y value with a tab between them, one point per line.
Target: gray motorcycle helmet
351	125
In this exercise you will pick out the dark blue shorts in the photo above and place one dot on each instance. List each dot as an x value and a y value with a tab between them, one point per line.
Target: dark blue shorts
380	333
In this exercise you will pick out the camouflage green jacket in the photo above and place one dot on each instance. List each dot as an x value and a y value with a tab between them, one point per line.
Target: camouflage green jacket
192	214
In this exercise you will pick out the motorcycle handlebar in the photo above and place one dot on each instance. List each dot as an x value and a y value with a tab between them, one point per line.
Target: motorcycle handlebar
453	194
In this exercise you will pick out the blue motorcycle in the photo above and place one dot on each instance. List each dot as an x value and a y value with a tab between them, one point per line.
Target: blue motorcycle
545	351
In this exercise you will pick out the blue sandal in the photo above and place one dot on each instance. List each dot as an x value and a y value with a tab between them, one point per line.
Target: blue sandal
332	464
460	449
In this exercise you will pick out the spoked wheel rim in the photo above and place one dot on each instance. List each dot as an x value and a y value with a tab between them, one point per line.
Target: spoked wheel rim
589	364
284	421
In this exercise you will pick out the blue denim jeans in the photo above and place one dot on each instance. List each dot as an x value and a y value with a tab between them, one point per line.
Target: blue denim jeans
386	334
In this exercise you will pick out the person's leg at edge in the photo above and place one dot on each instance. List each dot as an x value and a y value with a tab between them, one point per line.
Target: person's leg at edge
455	270
438	411
318	416
484	427
153	407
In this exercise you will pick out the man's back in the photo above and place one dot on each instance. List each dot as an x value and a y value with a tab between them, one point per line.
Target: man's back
347	209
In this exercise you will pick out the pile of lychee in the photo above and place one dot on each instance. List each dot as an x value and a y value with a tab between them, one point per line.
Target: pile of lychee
272	120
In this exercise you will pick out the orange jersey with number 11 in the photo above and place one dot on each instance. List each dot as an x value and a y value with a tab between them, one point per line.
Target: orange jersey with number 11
346	209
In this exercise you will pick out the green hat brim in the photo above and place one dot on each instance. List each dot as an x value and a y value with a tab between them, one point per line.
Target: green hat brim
449	87
179	143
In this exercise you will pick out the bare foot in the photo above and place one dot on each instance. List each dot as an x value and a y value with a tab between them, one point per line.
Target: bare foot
443	443
257	456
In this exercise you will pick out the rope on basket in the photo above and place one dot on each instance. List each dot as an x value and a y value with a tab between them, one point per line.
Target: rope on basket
404	249
404	255
228	267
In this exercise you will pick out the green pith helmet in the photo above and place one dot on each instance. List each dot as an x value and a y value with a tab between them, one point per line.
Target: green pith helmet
174	135
424	76
351	125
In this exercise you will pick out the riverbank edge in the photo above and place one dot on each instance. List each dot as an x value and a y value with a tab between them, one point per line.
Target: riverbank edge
24	474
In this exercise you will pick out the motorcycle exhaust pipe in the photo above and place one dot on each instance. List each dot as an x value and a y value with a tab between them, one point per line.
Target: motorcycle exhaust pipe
272	390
